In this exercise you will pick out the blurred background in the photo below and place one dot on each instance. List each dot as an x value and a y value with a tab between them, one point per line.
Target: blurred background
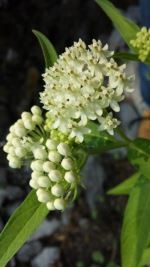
87	233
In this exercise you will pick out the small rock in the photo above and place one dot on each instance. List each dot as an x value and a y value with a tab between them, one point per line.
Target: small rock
47	257
2	177
94	177
2	196
11	208
29	251
46	229
14	192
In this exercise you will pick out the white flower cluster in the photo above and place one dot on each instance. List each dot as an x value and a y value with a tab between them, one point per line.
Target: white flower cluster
81	86
21	137
55	174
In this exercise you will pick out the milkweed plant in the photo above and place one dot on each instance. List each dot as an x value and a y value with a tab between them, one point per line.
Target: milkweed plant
77	117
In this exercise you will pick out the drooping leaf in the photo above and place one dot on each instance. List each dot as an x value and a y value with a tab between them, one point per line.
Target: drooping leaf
136	225
24	221
98	141
126	27
139	155
49	52
126	186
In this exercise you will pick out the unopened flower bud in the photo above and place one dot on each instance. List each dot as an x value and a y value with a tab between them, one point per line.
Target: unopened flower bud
48	166
55	175
51	144
20	151
54	156
59	204
37	119
35	175
50	205
44	181
20	130
40	153
33	183
37	165
14	163
42	195
29	124
63	149
70	177
67	164
36	110
57	190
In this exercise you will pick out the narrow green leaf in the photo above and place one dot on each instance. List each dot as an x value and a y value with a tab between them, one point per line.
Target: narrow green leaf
98	141
126	56
24	221
139	155
126	186
136	225
126	27
49	52
146	257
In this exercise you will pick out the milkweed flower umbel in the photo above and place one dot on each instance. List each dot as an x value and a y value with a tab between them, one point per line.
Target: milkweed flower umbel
83	85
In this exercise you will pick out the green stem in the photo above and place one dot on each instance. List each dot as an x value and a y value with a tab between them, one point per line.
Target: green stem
123	135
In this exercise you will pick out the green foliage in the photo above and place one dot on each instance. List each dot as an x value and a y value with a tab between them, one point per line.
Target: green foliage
98	257
24	221
139	155
97	141
126	56
136	225
125	27
49	52
126	186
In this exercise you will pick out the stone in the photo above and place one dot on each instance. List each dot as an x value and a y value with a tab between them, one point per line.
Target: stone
47	257
14	192
94	178
29	250
46	229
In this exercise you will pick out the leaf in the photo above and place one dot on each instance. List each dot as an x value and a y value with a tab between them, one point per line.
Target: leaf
126	56
49	52
98	141
125	27
146	257
126	186
136	225
139	155
24	221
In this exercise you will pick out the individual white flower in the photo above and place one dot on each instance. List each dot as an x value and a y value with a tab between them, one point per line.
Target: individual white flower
14	162
20	152
81	86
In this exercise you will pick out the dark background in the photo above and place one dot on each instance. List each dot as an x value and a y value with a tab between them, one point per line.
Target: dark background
21	65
